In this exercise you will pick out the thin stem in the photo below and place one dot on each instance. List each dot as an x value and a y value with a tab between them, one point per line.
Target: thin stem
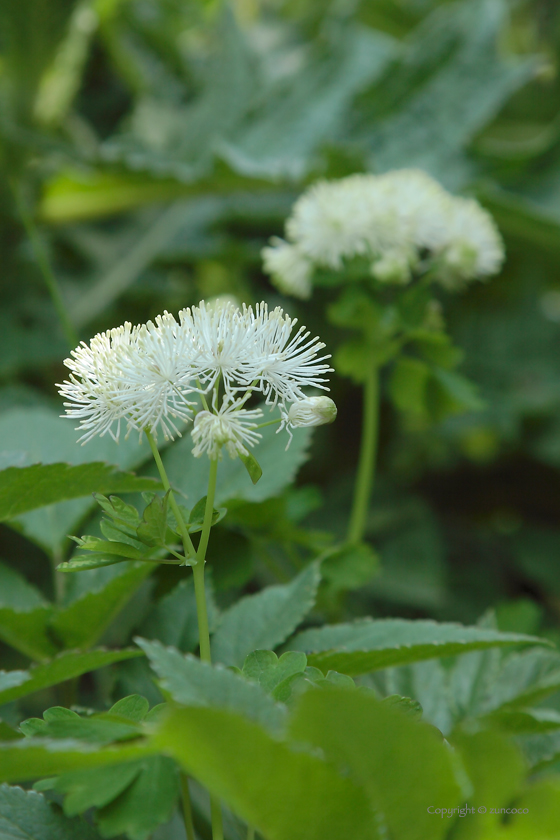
368	452
187	810
45	268
203	629
269	423
187	542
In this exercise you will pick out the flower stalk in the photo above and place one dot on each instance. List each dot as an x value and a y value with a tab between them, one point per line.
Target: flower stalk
368	454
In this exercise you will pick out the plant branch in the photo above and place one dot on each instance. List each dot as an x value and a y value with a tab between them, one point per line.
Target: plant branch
368	453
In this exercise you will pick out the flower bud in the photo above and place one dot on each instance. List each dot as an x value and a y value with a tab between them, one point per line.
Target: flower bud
312	411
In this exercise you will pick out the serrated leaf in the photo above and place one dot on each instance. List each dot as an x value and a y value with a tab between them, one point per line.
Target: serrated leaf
367	645
63	667
111	547
27	814
194	683
96	729
95	787
146	803
152	529
265	620
25	488
196	516
82	623
96	560
241	763
118	510
190	475
350	566
384	751
134	707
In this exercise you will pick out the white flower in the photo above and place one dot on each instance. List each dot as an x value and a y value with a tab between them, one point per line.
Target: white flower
232	427
145	376
96	391
399	221
284	364
289	268
312	411
159	375
222	343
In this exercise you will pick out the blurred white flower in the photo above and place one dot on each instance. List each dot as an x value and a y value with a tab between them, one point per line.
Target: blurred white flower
289	269
231	427
400	221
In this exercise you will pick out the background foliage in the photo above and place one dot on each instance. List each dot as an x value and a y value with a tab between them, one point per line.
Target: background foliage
148	150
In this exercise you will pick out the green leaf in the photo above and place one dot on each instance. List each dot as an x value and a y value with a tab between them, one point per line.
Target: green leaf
153	528
386	752
95	787
111	547
525	678
238	761
27	814
525	721
252	466
63	667
408	385
449	393
25	488
146	803
272	673
194	683
24	616
96	560
96	729
82	623
265	620
32	758
119	511
350	566
367	645
190	475
196	516
134	707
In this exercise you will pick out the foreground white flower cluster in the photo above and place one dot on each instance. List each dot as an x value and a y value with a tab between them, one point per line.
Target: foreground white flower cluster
206	365
402	222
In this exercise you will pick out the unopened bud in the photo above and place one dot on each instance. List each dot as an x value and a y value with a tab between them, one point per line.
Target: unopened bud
312	411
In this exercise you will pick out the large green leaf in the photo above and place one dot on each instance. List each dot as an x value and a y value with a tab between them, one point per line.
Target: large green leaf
25	488
190	475
27	814
33	758
194	683
402	763
173	620
82	622
454	81
265	620
285	793
39	435
63	667
367	645
24	616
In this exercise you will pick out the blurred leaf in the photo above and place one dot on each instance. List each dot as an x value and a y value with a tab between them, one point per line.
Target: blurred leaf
191	682
241	763
408	385
264	620
385	751
63	667
28	814
350	566
25	488
82	623
24	616
370	644
272	673
173	619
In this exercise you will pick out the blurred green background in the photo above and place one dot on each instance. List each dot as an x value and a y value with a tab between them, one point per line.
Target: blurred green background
150	148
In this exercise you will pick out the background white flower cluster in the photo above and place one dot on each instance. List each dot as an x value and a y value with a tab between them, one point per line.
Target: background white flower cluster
402	222
208	363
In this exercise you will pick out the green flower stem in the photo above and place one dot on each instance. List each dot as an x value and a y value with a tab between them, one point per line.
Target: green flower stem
187	542
45	268
203	629
368	453
199	589
187	810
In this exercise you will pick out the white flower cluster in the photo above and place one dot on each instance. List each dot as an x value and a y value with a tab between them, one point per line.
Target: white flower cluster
401	222
146	377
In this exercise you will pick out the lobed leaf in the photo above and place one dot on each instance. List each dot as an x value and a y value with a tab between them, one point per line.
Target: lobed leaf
27	814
